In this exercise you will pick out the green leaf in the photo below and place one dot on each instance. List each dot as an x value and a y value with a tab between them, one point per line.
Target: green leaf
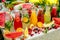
8	25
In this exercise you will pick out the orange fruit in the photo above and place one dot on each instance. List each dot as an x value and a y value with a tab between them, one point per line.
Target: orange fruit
25	19
40	24
19	30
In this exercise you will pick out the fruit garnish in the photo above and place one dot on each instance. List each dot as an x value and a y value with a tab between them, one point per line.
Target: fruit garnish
26	32
13	35
19	30
40	24
8	25
17	19
27	5
49	24
31	25
25	19
6	31
29	31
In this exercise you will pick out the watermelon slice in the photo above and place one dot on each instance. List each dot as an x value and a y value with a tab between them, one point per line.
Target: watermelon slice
13	35
56	26
27	5
57	22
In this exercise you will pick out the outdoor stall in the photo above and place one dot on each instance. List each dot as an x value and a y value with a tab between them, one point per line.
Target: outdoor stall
30	19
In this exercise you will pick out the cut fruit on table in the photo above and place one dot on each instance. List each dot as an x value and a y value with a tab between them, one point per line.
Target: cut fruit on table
13	34
40	24
19	30
57	20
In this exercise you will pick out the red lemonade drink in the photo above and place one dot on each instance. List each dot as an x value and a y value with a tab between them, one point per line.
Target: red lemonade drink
17	21
40	16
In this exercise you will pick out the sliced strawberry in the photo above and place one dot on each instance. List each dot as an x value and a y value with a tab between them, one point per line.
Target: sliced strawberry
30	31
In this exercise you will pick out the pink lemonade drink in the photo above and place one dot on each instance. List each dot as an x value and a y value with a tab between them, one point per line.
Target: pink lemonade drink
2	19
54	12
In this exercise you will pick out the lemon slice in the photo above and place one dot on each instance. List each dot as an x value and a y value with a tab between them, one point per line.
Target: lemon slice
26	32
6	31
31	25
25	19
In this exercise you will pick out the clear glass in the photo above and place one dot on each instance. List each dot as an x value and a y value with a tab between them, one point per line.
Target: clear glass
25	18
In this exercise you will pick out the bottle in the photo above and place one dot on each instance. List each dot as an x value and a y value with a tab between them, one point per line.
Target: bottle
54	12
47	15
40	15
33	18
1	35
25	16
17	20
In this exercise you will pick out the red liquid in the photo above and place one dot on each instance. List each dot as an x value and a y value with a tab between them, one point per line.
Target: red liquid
40	16
17	22
54	12
2	19
29	12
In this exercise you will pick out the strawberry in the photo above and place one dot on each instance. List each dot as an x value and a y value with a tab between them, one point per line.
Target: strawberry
29	30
